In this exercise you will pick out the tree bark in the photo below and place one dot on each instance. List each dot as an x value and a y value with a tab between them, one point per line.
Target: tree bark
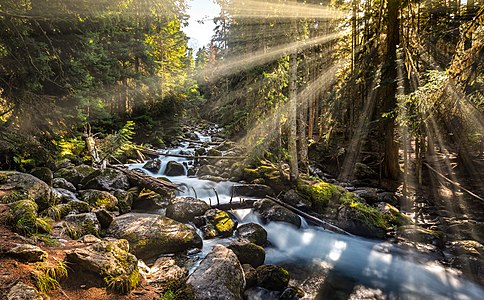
292	114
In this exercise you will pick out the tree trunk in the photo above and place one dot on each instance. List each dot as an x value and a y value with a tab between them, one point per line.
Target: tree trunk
390	168
292	114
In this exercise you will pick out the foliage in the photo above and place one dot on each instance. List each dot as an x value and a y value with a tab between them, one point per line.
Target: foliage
47	276
23	218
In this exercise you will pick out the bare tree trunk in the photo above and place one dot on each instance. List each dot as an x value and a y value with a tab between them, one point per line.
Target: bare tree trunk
292	114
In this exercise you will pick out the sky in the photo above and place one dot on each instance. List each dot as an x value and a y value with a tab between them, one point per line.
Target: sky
200	34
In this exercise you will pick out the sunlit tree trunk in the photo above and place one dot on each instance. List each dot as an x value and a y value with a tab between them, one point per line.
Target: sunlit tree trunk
292	113
390	164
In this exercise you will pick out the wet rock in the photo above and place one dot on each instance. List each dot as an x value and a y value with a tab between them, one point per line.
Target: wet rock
110	260
17	186
207	170
149	201
153	165
74	174
82	224
174	168
291	293
186	209
62	183
272	277
468	247
253	233
101	199
365	293
252	190
250	275
106	180
419	234
219	276
292	197
213	178
270	211
249	253
166	275
22	291
191	172
361	222
221	221
28	253
152	235
259	293
209	231
44	174
388	197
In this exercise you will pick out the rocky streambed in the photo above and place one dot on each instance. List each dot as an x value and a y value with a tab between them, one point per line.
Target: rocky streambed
99	235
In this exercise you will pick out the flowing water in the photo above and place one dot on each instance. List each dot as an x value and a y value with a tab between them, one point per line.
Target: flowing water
322	262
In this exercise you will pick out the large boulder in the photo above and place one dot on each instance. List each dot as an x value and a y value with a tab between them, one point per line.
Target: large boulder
219	276
106	180
293	198
174	168
152	235
82	224
16	186
74	174
253	233
166	275
249	253
101	199
153	165
252	190
186	209
63	195
272	277
270	211
28	253
361	220
44	174
110	260
149	201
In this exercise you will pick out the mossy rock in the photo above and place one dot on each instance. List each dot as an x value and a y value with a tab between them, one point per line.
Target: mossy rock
272	277
82	224
221	221
100	199
272	212
24	219
18	186
149	201
44	174
184	209
249	253
106	180
361	219
74	174
110	261
253	233
421	235
393	216
126	199
269	175
319	193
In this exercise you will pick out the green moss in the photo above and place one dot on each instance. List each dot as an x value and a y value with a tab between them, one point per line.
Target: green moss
124	283
369	214
223	223
24	220
320	193
47	276
12	196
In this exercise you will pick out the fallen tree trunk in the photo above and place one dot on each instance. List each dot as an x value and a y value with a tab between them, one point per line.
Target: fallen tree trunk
235	205
162	187
311	219
200	142
153	152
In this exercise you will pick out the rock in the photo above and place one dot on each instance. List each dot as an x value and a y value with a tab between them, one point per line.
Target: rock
152	235
259	293
209	231
369	195
149	201
62	183
361	222
191	172
174	168
253	233
468	247
106	180
363	171
18	186
101	199
270	211
292	198
74	174
291	293
388	197
44	174
166	275
207	170
226	145
22	291
104	217
249	253
82	224
186	209
272	277
63	163
221	221
200	151
361	292
393	215
110	260
252	190
153	165
90	239
28	253
23	218
125	199
219	276
250	275
419	234
64	195
214	152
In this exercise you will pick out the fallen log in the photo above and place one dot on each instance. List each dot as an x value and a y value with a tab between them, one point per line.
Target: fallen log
311	219
235	205
162	187
200	142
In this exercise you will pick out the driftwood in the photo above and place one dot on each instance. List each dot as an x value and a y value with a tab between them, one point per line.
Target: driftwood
236	205
162	187
200	142
309	218
151	152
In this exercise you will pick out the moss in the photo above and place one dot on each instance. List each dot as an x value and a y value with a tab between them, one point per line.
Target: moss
223	223
320	193
369	214
24	220
47	276
12	196
124	283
